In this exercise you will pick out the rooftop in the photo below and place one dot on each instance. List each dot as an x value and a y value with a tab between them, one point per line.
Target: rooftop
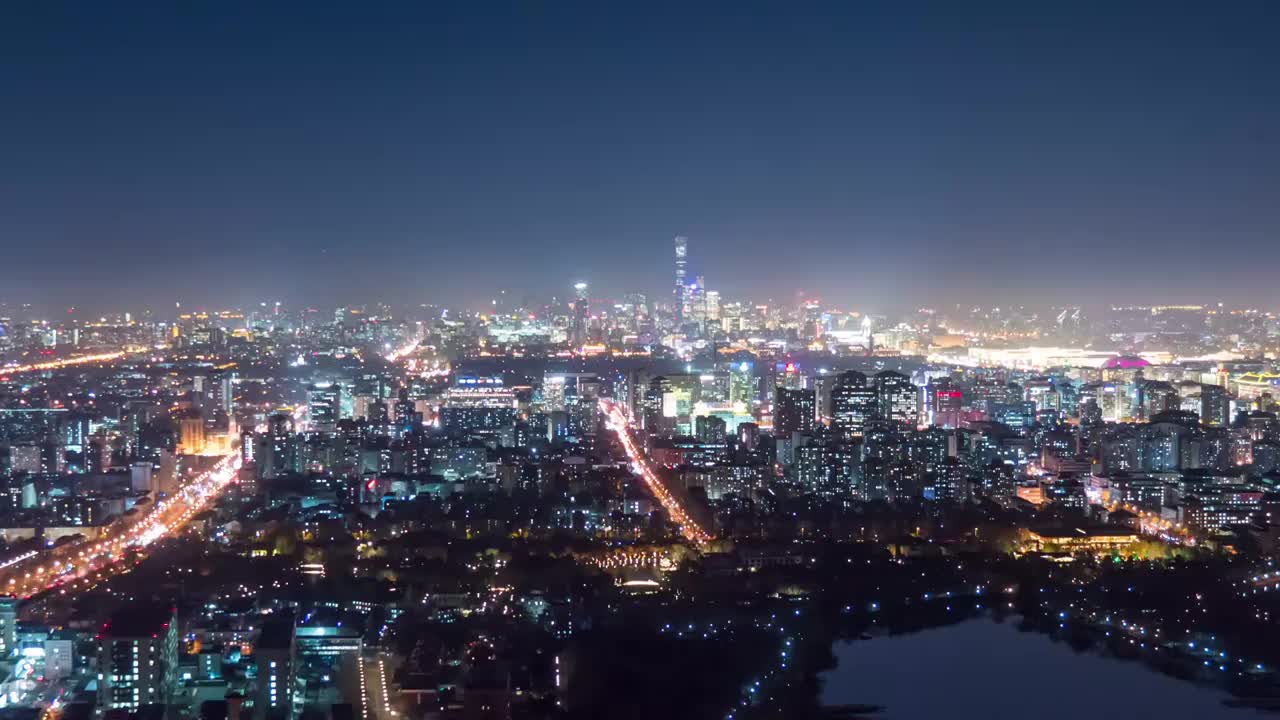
139	621
1094	531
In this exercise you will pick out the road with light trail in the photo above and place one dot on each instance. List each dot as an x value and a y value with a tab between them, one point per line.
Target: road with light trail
77	566
8	370
672	499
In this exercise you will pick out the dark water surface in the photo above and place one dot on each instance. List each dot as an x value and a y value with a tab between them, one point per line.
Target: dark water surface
988	670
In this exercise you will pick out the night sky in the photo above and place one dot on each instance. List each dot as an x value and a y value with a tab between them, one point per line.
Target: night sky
883	154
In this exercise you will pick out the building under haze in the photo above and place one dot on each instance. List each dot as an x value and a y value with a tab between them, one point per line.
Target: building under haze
682	260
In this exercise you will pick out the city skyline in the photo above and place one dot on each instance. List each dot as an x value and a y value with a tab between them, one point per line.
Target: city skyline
580	360
688	288
867	154
308	510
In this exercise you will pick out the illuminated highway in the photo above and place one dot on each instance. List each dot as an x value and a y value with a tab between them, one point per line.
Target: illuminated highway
78	566
402	352
665	494
62	363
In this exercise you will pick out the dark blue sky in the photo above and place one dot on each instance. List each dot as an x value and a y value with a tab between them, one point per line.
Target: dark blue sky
882	153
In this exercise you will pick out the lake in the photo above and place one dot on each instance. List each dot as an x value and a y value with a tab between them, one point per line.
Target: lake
983	669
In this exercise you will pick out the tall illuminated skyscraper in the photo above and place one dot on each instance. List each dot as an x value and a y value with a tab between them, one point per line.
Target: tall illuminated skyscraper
580	302
682	253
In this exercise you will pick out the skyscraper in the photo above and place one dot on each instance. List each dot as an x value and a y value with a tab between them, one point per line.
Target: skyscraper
853	404
946	403
899	398
324	405
216	388
580	302
682	252
793	411
1215	405
742	386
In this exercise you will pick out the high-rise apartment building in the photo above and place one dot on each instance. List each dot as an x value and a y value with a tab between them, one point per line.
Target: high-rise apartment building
899	398
324	405
853	404
137	658
794	411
